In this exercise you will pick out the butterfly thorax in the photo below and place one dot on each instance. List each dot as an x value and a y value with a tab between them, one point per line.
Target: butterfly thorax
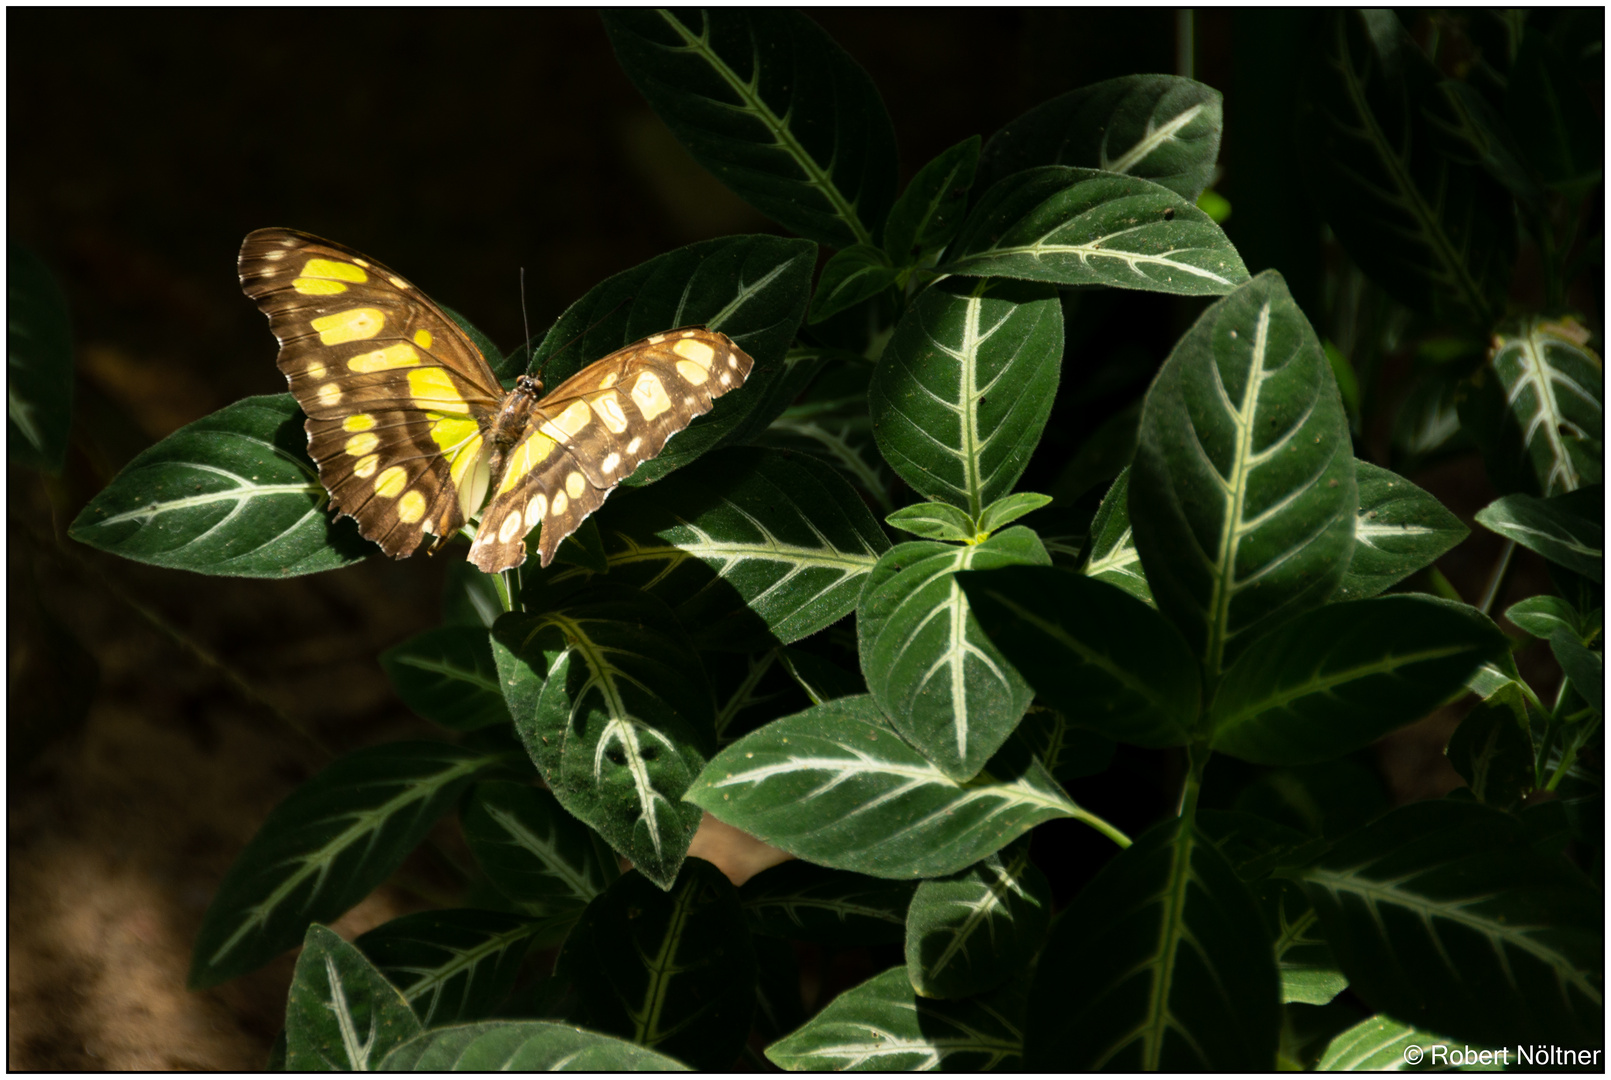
510	423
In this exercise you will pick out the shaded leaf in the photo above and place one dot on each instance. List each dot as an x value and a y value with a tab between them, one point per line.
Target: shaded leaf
1552	527
1158	127
451	965
673	970
524	1046
1337	678
447	676
1493	752
1554	387
927	215
804	902
768	103
1555	121
970	932
541	858
39	363
858	273
325	847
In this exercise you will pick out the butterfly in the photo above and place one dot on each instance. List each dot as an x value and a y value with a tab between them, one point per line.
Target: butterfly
414	436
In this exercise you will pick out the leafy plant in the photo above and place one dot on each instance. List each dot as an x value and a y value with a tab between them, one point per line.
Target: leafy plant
739	635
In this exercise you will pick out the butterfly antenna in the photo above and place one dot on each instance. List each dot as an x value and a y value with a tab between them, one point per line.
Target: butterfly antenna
525	322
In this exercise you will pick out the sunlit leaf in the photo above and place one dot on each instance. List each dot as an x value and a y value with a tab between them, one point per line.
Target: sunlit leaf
495	1046
341	1014
1398	530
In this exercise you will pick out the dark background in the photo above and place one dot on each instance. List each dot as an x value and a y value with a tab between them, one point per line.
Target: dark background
458	148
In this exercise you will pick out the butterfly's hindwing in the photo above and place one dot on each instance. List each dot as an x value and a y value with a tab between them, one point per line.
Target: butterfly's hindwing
396	395
594	430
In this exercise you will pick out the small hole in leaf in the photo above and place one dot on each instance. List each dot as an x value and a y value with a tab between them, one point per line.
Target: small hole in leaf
1169	214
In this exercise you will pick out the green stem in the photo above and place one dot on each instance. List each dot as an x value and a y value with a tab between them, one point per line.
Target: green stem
1497	578
1112	832
1197	756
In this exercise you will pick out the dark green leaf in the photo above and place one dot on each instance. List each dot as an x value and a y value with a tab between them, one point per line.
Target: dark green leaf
1552	527
1554	119
451	965
1174	968
672	971
1084	227
768	103
1113	557
1554	387
1468	119
1068	752
1375	1044
1541	616
341	1015
929	212
447	676
1102	658
836	785
538	856
469	597
832	423
325	847
858	273
622	719
750	546
931	669
1441	913
805	902
1399	529
1583	666
39	364
1431	229
1337	678
1242	495
1158	127
751	288
963	389
233	494
1493	751
972	931
524	1046
883	1026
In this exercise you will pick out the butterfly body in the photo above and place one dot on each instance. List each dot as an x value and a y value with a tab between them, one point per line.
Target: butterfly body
412	433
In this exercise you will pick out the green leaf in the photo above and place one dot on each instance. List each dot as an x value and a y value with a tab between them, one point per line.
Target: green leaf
469	597
672	971
751	288
1375	1044
1555	121
779	1008
1102	658
928	665
1335	679
524	1046
1068	752
325	847
883	1026
1552	527
804	902
1398	530
1010	508
963	389
972	931
1469	121
1583	666
752	689
1084	227
1113	557
1493	751
1158	127
1242	495
836	785
1554	388
750	546
832	423
451	965
1432	230
929	212
341	1014
447	676
1174	967
621	721
858	273
768	103
1443	912
233	494
537	855
1541	616
934	521
39	364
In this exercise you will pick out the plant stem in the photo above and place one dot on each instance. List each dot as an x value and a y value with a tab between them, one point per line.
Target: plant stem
1497	578
1112	832
1197	756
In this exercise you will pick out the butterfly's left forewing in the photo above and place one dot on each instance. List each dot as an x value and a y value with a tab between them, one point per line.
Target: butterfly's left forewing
397	396
594	430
